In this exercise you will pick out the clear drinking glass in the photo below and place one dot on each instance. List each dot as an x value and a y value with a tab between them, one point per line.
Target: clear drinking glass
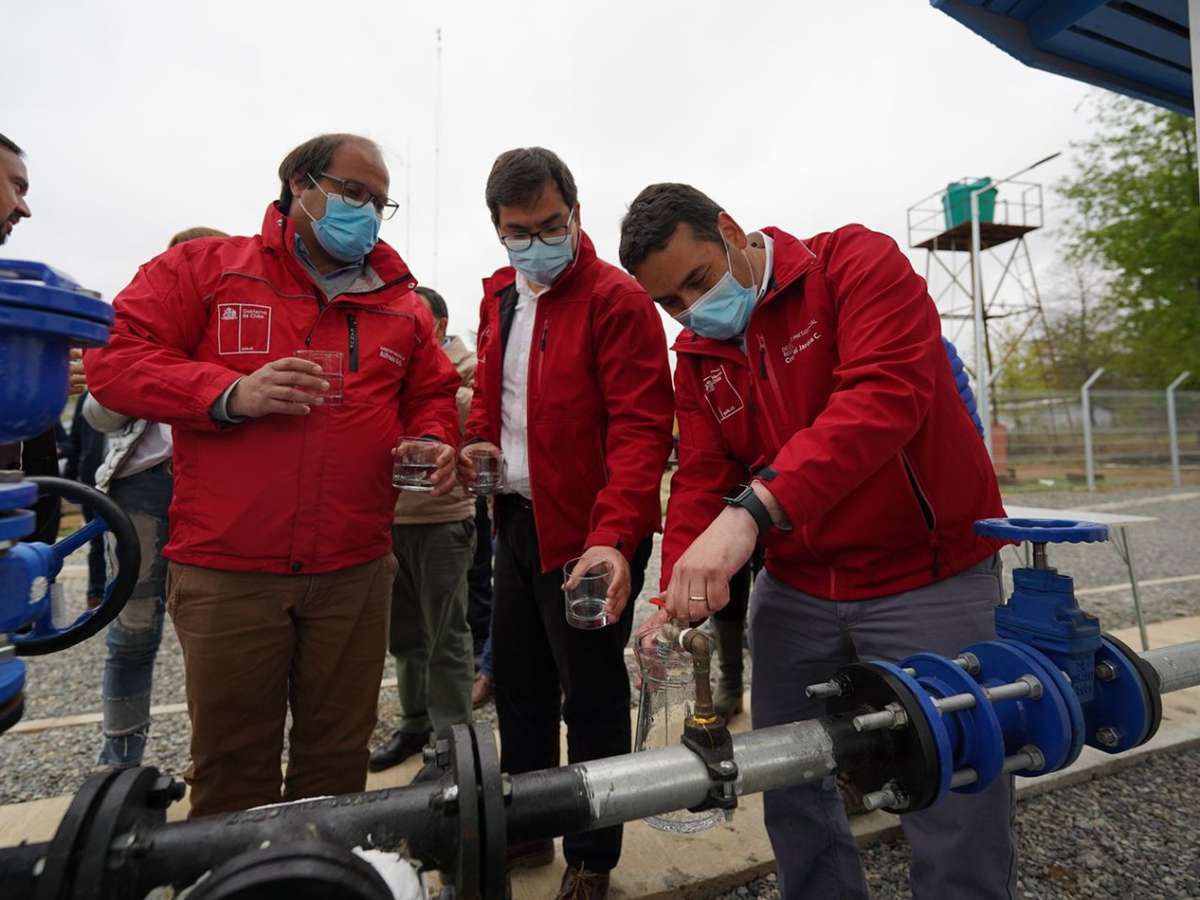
587	602
330	362
490	471
667	696
415	463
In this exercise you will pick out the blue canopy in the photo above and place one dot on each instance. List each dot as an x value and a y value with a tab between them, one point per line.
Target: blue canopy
1137	48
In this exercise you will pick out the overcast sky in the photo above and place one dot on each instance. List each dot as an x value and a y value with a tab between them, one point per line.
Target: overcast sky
142	118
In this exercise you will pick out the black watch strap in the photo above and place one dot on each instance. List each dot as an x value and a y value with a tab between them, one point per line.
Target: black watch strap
745	497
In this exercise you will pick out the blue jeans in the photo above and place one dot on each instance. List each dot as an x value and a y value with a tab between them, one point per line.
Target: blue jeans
134	636
96	563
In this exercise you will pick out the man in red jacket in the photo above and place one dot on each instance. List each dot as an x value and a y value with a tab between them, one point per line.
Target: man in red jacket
280	551
818	415
574	386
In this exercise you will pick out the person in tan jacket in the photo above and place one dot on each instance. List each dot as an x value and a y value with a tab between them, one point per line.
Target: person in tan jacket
433	539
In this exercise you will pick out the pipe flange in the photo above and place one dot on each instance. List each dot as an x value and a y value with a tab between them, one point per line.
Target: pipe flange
1130	702
1053	722
492	815
911	755
465	866
980	740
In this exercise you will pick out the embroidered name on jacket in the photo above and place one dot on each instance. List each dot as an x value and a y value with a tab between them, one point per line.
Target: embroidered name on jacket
801	341
243	328
392	356
722	396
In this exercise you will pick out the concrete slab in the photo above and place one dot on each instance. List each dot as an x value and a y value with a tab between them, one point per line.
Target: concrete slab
656	864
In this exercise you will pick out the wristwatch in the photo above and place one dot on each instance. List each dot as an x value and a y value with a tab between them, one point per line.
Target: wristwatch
743	495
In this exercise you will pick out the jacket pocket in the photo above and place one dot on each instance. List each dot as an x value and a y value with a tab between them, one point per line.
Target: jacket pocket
928	515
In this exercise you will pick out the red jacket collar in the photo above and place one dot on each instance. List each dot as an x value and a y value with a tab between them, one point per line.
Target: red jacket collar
791	259
279	236
505	277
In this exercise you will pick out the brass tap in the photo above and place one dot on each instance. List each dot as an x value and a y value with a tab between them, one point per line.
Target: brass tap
699	644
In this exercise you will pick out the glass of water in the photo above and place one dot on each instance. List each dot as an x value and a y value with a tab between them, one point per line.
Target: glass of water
489	471
587	602
415	463
330	362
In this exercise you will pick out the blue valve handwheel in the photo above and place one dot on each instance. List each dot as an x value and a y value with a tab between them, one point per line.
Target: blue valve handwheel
44	637
1042	531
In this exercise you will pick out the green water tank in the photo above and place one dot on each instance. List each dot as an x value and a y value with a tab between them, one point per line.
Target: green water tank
956	202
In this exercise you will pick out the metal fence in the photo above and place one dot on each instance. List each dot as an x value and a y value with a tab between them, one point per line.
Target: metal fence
1041	437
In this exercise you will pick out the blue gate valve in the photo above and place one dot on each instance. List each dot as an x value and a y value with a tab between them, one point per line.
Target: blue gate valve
1042	611
1108	679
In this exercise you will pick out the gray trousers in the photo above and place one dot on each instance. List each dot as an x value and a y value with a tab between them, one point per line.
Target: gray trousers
964	846
429	635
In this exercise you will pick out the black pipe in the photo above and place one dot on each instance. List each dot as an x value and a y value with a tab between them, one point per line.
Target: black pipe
547	803
401	820
17	868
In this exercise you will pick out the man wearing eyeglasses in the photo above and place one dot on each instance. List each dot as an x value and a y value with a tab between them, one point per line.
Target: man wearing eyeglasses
280	555
574	387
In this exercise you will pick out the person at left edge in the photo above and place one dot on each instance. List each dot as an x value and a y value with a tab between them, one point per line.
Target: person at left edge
281	567
39	455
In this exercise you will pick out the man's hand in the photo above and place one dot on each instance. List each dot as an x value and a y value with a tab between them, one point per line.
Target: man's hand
466	465
78	380
618	584
443	477
288	386
700	580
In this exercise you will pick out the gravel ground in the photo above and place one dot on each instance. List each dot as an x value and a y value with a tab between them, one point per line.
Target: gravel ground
1129	835
56	761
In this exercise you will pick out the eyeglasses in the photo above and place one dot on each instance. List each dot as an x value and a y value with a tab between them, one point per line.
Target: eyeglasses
551	237
357	195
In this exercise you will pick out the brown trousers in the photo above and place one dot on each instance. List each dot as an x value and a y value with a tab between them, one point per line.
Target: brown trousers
255	644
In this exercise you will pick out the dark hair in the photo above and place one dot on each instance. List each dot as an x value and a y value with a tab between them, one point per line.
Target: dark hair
190	234
437	304
10	146
519	176
656	212
311	157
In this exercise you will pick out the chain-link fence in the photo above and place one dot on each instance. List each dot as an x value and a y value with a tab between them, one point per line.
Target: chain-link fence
1039	437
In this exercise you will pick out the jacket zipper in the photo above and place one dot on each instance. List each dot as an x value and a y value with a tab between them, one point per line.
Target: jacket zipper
927	512
766	374
317	321
352	340
542	354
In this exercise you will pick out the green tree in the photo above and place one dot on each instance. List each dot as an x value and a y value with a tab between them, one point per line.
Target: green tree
1135	214
1078	335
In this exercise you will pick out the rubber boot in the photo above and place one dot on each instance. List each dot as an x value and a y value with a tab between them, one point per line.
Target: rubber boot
727	698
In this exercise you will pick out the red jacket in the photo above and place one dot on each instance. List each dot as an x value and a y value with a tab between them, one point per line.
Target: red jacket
598	409
845	400
283	494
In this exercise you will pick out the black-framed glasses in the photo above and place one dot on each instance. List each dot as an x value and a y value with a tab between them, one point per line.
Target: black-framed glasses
357	195
551	237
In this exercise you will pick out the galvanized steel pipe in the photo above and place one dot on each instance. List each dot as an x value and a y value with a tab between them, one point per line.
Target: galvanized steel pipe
1178	667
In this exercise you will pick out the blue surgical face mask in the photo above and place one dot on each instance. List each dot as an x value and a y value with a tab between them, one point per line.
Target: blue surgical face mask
542	263
723	312
345	232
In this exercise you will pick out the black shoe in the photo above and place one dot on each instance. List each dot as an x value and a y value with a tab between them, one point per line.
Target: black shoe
400	746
